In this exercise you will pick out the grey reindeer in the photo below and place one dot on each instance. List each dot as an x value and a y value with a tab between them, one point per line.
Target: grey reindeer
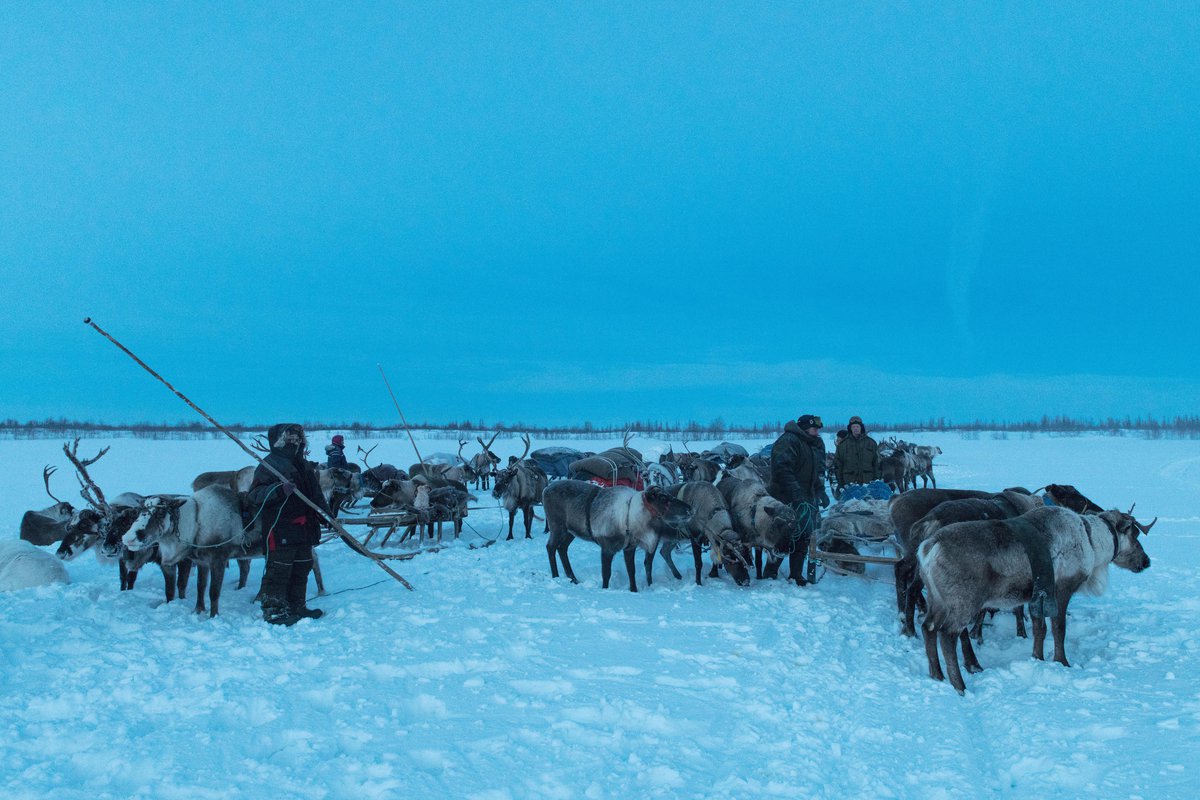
617	518
710	523
970	566
519	486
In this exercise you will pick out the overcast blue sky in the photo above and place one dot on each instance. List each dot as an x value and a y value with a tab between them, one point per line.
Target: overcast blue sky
558	211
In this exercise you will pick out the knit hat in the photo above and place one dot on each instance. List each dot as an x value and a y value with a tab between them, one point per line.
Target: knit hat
339	441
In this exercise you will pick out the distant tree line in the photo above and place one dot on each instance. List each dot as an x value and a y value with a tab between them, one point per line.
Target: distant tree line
1152	427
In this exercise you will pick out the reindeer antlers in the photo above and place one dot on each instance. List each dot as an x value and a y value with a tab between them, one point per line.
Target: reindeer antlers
487	448
260	444
365	455
47	471
1145	529
525	438
90	491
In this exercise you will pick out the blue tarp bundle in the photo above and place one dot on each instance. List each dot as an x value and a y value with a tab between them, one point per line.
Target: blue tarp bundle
876	490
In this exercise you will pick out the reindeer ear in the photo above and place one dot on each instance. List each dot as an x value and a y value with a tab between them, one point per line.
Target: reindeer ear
177	502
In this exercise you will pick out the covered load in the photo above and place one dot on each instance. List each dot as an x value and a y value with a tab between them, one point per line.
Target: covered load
556	461
617	466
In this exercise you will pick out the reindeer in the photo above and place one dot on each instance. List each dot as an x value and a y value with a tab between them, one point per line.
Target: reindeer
206	528
905	509
747	469
48	525
617	518
759	520
373	478
483	464
701	469
1003	505
520	486
710	523
924	456
970	566
104	520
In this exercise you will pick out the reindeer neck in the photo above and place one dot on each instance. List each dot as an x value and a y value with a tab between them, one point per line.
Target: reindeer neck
1087	526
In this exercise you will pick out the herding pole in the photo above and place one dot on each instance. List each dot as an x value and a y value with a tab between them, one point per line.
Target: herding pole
401	413
355	545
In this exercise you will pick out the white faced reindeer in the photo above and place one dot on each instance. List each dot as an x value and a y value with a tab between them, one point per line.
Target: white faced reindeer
520	486
206	528
970	566
106	521
617	518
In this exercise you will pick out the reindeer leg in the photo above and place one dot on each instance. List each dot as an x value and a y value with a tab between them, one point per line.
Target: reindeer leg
649	563
696	558
562	556
512	515
1019	613
184	568
758	573
168	580
214	585
606	559
912	594
665	552
970	662
551	547
977	627
124	575
528	512
1039	636
900	573
1058	624
931	653
949	643
201	583
243	572
630	568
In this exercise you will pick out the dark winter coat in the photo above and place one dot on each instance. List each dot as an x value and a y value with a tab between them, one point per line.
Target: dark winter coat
335	457
286	519
795	469
856	460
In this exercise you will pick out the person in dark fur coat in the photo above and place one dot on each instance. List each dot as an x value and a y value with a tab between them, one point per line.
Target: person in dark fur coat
797	479
292	528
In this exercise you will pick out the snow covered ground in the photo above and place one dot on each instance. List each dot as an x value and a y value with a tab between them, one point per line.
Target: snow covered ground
491	680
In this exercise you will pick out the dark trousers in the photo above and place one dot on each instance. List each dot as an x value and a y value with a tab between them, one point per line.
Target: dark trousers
285	580
808	519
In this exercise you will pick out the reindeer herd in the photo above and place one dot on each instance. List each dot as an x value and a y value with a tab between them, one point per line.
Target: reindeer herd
960	553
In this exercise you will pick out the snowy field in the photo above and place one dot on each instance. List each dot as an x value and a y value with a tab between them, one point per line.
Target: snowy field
491	680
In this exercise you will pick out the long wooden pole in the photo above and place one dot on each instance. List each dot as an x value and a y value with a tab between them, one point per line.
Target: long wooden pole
396	403
355	545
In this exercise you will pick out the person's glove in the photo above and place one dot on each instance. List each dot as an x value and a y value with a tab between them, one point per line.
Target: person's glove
823	498
288	487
